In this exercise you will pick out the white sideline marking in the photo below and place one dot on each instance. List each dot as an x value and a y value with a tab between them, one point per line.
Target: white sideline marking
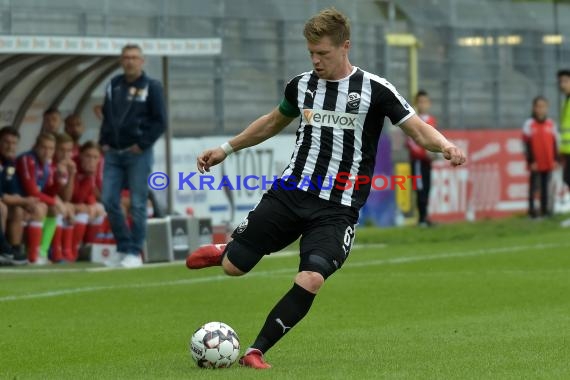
397	260
51	269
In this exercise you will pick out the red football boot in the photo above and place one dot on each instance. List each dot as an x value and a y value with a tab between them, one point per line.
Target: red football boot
254	359
206	256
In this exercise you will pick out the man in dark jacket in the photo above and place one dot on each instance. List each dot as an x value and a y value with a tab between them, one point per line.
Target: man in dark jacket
134	117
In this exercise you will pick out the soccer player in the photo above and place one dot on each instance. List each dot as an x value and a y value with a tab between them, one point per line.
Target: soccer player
51	122
342	109
88	213
74	127
66	169
21	209
421	159
39	180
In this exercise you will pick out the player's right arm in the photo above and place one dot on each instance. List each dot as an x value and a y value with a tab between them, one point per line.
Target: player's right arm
258	131
431	139
26	169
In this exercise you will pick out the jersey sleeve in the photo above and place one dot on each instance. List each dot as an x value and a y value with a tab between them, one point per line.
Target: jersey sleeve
392	104
25	167
526	129
287	109
288	105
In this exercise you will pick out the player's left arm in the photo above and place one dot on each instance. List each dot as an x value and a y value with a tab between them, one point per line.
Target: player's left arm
431	139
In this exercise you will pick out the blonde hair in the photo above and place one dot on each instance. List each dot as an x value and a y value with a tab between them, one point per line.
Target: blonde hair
63	138
44	136
328	22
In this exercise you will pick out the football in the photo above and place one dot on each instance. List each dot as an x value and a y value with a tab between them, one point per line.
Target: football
214	345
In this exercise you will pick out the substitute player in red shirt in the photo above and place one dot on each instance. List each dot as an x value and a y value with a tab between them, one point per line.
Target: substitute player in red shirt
541	141
88	213
39	180
73	126
421	159
65	167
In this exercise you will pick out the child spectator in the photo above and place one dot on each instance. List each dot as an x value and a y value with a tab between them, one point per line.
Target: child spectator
421	159
540	139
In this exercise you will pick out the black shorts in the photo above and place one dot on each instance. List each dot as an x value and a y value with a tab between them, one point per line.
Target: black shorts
282	216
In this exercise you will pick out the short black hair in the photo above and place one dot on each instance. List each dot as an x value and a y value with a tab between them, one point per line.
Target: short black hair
421	93
563	73
8	130
538	99
51	110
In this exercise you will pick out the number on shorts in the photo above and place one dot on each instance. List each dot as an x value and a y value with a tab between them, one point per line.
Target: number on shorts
348	240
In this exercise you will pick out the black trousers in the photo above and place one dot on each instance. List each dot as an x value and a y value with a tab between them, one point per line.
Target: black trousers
538	181
422	168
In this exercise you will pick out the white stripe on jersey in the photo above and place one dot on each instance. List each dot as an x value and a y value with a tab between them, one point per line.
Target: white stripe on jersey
318	101
365	97
338	139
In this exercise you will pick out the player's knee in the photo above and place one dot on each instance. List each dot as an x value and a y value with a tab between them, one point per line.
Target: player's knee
239	258
230	269
16	213
52	211
310	281
41	210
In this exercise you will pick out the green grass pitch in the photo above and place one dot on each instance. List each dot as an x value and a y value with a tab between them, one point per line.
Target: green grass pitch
486	300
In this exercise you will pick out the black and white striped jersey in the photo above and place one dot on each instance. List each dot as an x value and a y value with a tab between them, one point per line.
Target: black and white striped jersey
340	126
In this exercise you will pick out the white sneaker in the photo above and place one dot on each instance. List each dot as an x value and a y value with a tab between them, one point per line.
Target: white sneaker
41	261
565	223
131	261
114	260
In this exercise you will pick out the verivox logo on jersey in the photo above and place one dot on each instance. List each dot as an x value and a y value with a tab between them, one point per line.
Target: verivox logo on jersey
321	118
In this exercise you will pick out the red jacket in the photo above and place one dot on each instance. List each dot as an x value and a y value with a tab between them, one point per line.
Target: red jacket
37	180
417	152
83	189
541	143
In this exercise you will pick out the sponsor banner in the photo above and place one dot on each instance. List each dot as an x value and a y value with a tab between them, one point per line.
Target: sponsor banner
380	208
108	46
493	183
225	206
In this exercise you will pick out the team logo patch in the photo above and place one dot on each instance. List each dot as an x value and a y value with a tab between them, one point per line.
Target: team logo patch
353	100
242	226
